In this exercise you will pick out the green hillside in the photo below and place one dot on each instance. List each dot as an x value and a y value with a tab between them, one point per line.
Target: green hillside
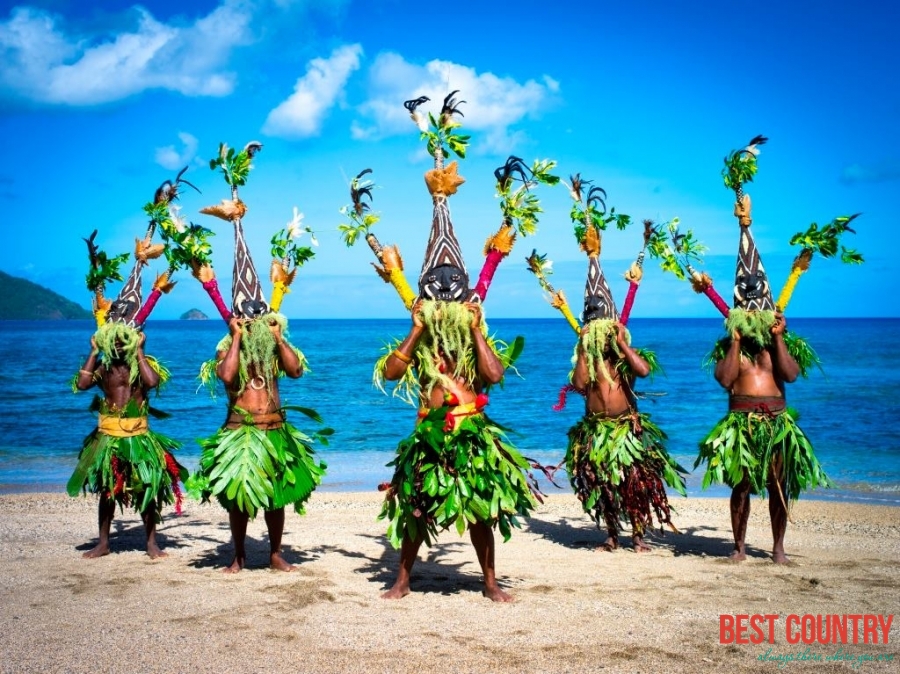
24	300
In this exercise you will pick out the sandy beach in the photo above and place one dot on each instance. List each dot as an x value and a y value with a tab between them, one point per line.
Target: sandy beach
576	609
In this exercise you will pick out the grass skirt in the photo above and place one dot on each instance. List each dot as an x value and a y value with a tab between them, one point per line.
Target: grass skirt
138	470
248	469
746	444
458	476
617	472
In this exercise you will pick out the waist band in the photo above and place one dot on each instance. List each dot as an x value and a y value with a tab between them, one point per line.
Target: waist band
772	405
122	427
265	421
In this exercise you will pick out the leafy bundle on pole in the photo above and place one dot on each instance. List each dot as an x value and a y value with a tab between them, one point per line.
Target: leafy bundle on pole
825	242
520	207
361	220
541	267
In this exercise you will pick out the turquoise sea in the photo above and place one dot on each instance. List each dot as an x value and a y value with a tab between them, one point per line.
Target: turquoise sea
850	409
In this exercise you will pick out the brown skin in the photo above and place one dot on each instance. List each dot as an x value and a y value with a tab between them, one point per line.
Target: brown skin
763	375
113	380
612	400
255	401
490	371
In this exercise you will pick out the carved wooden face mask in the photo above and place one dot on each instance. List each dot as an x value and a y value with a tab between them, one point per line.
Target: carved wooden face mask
445	282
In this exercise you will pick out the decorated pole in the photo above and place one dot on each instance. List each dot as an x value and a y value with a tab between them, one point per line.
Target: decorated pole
288	257
702	282
520	208
635	274
103	269
541	267
188	247
247	298
824	241
160	286
362	219
678	255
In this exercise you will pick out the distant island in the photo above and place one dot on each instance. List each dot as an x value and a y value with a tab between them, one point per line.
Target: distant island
23	300
194	315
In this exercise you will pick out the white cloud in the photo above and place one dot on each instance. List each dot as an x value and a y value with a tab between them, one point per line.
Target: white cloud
493	104
43	63
171	158
301	114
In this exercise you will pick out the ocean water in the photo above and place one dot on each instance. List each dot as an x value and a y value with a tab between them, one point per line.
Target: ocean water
850	409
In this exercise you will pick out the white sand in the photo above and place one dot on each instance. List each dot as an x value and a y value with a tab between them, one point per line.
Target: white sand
576	609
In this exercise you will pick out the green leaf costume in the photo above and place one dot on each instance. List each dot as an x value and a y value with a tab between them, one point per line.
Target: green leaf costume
465	474
759	436
134	468
248	468
617	466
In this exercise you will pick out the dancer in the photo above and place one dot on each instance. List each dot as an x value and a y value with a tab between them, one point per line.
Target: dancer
123	460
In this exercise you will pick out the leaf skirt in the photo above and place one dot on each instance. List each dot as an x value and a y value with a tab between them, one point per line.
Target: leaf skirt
138	470
753	445
619	472
248	469
456	477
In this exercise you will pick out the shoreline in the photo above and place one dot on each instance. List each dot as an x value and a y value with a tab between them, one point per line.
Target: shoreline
575	609
889	498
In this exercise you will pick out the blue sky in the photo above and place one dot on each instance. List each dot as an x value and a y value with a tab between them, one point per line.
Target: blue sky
100	102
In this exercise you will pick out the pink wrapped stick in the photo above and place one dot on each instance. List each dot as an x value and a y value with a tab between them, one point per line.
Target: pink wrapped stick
717	300
144	312
491	262
212	289
629	302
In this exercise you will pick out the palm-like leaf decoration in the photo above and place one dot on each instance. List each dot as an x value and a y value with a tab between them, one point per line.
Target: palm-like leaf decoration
589	208
103	269
826	242
518	203
187	244
740	166
235	166
679	255
542	268
362	219
285	246
440	133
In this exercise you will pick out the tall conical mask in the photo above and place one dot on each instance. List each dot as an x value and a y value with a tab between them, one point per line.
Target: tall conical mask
247	297
444	276
751	284
126	305
598	299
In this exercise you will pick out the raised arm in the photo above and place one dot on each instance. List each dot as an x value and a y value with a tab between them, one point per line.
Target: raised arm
784	366
580	376
728	369
639	366
87	375
287	357
229	362
149	376
489	367
402	357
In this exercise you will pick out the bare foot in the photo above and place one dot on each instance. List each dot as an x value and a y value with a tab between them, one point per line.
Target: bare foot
496	594
737	556
640	545
154	552
780	558
397	592
276	561
101	550
610	545
235	567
